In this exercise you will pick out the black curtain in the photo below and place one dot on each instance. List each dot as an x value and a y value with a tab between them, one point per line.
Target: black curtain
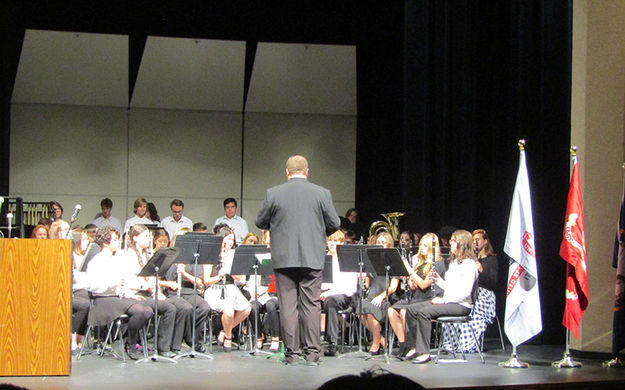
477	77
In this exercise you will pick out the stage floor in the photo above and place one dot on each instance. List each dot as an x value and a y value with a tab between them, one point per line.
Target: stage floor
236	370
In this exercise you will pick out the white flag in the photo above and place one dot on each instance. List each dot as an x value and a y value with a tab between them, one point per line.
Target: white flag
523	319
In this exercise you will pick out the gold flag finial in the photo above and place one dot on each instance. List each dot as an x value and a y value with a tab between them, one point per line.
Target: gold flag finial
573	151
521	144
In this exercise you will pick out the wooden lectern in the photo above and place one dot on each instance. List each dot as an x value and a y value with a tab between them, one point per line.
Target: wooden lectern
35	307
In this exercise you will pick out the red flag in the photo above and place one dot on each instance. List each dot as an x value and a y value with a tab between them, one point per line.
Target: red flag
573	250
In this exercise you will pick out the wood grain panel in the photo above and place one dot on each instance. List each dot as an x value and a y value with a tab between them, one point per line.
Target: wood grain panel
35	308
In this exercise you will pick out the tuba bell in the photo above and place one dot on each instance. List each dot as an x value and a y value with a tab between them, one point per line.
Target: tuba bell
391	225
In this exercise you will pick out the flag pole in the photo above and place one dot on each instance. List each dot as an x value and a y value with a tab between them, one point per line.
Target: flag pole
514	362
567	360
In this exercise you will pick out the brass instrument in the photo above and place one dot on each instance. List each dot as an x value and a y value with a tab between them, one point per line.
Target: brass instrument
391	225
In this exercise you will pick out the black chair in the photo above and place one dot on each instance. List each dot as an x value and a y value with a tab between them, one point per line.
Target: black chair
452	321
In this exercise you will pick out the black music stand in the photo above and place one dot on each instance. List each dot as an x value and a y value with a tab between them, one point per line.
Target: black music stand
387	261
252	260
157	266
197	248
354	258
328	276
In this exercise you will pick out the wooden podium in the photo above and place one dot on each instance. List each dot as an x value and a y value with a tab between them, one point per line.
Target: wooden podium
35	307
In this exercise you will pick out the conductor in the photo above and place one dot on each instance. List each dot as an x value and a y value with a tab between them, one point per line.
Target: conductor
299	215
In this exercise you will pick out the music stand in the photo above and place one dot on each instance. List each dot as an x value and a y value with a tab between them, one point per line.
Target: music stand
328	276
353	258
252	260
197	248
157	266
92	250
387	261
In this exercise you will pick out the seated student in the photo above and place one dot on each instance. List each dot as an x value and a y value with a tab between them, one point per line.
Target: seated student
484	309
80	296
40	231
265	303
378	300
184	275
456	301
419	290
91	230
171	322
250	239
200	227
59	229
337	295
222	294
105	280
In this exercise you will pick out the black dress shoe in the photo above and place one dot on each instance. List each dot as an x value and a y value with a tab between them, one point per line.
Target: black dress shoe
133	353
330	350
401	351
200	348
168	354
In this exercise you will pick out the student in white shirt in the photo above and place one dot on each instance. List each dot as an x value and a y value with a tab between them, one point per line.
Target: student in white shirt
234	222
105	218
176	221
337	295
140	217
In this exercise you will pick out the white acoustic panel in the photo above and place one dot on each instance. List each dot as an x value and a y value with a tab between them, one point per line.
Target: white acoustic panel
72	68
67	150
304	79
327	142
194	74
176	153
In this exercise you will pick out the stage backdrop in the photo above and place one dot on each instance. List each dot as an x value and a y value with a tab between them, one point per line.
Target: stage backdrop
75	138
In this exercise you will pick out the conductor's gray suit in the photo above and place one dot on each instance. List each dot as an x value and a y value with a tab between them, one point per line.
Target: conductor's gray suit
299	215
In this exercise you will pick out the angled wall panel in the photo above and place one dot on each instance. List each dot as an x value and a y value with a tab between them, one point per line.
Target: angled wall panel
193	74
327	141
72	68
303	79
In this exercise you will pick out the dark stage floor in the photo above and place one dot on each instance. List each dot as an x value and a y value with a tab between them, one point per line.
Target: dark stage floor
236	371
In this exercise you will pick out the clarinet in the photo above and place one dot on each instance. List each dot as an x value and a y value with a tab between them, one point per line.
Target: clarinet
179	281
223	279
